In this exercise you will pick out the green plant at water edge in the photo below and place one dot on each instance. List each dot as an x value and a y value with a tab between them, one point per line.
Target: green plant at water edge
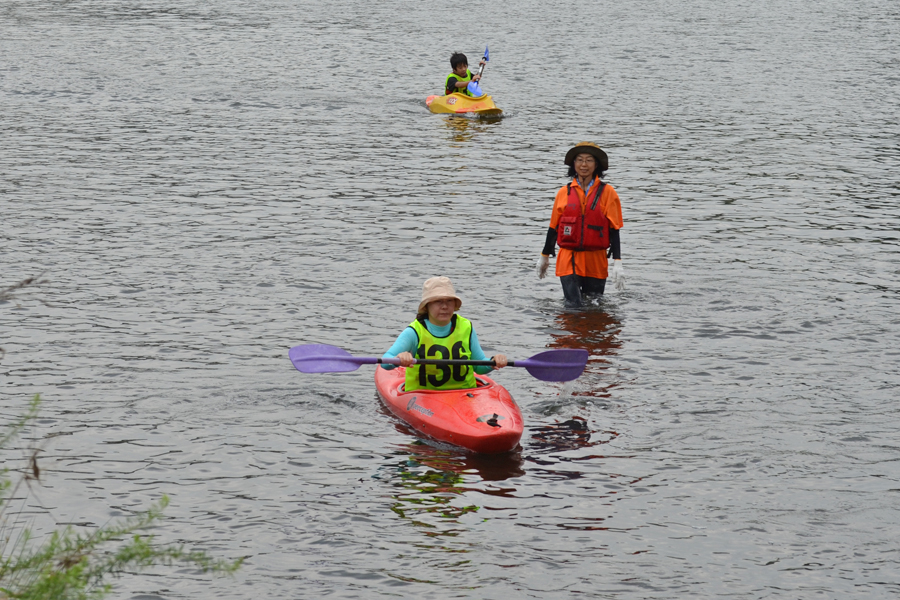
68	565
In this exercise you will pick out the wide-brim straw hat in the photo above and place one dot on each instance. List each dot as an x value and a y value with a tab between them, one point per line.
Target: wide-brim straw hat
438	288
588	148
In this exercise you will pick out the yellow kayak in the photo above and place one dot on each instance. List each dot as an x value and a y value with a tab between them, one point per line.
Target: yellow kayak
455	104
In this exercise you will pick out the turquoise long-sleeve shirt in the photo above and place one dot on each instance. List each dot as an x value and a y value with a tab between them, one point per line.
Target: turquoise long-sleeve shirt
408	340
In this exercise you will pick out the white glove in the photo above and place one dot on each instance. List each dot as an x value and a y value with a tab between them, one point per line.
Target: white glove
618	274
542	265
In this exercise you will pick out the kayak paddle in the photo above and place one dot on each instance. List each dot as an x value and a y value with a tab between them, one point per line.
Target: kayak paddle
564	364
473	86
487	58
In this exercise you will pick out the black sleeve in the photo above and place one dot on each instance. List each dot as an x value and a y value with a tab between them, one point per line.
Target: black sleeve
615	245
451	86
550	243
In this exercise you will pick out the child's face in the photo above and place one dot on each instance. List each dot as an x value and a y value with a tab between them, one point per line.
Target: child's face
461	70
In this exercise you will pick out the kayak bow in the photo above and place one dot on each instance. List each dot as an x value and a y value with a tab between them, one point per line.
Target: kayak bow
484	419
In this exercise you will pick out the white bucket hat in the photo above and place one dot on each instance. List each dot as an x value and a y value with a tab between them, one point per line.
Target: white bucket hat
437	288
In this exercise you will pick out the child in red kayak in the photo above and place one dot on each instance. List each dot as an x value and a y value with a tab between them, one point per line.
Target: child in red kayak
437	332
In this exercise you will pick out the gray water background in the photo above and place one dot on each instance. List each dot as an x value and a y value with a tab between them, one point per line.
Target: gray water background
206	184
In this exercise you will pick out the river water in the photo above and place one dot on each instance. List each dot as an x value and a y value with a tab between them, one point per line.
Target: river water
206	184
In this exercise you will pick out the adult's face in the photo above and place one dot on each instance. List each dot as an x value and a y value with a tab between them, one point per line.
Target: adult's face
585	165
441	311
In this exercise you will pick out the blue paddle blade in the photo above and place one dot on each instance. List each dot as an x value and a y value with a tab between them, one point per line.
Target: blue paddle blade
564	364
474	89
322	358
487	56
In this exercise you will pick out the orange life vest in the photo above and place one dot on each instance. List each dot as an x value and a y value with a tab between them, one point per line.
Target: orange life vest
587	230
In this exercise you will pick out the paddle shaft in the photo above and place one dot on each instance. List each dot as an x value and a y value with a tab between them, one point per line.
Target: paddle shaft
447	361
481	70
563	364
459	361
436	361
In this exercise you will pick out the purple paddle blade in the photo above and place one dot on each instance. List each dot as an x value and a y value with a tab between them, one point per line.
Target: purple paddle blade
553	365
564	364
322	358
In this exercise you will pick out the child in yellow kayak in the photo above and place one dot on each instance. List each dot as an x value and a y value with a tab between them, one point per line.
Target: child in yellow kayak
459	79
438	332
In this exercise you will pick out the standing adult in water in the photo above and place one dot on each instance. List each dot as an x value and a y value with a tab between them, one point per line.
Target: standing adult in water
585	222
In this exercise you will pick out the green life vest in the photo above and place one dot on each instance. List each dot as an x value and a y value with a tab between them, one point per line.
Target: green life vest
468	77
455	346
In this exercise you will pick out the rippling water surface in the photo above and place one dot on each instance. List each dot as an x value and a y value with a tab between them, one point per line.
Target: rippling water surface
205	184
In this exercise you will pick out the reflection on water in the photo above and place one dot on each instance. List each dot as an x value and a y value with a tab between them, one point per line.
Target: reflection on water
597	331
463	129
591	328
572	434
428	484
423	493
488	467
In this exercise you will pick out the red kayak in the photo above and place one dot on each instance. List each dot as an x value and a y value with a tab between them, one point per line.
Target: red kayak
485	419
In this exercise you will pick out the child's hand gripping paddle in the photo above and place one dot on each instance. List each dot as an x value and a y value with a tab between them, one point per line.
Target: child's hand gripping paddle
473	86
552	365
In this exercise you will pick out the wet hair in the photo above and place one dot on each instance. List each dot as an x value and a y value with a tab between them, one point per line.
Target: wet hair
458	58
